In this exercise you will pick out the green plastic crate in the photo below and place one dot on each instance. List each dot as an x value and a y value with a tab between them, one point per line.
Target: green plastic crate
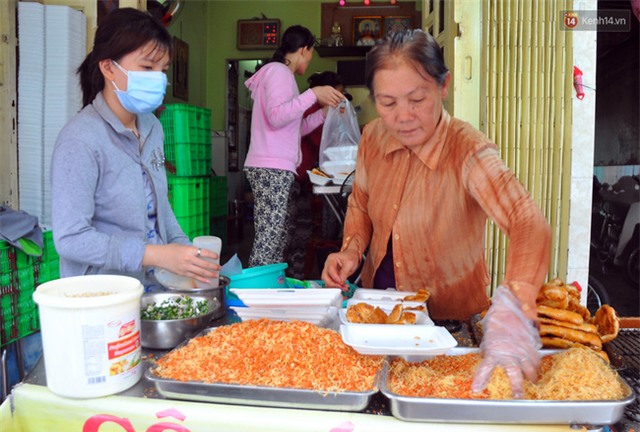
189	198
16	290
7	257
24	260
188	159
8	294
19	327
49	252
184	123
219	228
46	271
219	199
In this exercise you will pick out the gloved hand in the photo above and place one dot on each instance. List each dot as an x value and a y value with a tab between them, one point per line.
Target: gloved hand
510	340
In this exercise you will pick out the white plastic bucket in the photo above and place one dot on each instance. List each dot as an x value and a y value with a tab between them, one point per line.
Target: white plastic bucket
90	334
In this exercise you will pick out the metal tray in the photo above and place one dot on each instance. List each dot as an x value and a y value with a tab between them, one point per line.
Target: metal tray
259	395
502	411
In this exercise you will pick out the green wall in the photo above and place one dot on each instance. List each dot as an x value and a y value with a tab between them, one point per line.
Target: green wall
191	26
209	28
221	35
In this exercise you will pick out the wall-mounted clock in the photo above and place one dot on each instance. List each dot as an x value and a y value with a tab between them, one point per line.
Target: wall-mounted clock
258	34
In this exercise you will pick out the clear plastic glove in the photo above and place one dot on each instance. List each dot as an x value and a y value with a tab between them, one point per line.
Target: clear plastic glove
510	340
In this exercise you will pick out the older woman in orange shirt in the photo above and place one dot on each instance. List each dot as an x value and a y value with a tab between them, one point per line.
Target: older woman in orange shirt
424	187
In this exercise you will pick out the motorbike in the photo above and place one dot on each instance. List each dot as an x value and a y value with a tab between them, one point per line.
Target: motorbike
617	239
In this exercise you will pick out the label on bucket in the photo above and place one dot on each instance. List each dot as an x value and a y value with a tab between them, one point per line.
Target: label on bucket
112	348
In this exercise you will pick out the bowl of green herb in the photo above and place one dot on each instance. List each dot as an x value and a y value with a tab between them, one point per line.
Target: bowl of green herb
167	319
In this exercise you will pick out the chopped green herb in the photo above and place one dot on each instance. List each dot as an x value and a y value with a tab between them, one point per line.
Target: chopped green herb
175	308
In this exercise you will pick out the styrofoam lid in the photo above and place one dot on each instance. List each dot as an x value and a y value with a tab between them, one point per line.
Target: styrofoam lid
289	297
397	339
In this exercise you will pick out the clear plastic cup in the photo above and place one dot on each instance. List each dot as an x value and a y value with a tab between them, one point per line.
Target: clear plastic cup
214	244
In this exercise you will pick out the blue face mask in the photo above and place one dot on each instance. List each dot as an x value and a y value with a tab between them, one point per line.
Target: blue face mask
145	90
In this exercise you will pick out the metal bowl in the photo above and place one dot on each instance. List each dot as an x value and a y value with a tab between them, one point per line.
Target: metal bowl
166	334
216	294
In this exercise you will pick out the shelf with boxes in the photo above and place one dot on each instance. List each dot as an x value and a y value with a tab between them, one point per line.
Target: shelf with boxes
198	199
20	274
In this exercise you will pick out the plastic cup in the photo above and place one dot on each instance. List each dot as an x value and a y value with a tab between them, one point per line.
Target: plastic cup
214	244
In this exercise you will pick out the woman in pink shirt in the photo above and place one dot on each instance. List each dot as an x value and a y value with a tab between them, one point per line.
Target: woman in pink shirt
424	187
277	125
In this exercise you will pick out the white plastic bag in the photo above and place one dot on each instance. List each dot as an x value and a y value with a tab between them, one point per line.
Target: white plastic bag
340	136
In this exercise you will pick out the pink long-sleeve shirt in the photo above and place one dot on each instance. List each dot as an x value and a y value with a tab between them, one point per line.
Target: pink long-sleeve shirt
278	121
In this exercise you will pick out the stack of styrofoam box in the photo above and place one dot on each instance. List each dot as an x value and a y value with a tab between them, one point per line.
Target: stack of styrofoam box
52	46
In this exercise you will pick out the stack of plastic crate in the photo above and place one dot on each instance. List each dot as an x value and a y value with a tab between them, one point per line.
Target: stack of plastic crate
20	274
187	152
219	207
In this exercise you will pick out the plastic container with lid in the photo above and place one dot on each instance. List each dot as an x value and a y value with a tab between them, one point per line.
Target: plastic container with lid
90	334
266	276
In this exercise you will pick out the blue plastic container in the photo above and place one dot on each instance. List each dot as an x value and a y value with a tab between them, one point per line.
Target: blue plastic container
268	276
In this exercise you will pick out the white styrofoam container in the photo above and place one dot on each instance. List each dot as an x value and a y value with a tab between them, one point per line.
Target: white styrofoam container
318	179
421	318
341	153
397	339
389	294
289	297
386	304
323	317
338	168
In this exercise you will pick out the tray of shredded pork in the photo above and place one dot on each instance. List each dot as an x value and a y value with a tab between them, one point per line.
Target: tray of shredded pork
574	386
269	363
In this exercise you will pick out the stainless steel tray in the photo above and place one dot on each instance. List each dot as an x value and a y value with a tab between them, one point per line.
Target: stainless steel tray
502	411
259	395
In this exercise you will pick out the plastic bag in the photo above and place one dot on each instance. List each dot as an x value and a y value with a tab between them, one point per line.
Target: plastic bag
232	267
340	137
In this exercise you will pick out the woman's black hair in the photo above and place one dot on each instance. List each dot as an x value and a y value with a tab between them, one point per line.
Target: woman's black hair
413	45
294	38
329	78
122	32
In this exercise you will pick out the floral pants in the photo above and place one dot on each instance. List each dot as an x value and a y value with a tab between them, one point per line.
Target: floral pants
271	189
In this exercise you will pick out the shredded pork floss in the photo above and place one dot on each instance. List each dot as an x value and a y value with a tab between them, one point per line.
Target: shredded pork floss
575	374
273	354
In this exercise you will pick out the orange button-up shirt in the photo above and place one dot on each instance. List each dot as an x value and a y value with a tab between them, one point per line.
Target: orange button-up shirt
433	200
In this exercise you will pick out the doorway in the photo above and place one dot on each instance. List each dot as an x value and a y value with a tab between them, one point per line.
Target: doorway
238	122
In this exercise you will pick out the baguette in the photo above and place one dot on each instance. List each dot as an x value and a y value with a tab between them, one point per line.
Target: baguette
395	315
558	342
421	296
364	313
575	306
585	327
560	314
572	335
555	342
607	322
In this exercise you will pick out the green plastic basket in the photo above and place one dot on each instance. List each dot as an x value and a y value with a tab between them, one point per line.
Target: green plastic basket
219	228
19	327
7	257
189	198
49	252
219	200
184	123
188	159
